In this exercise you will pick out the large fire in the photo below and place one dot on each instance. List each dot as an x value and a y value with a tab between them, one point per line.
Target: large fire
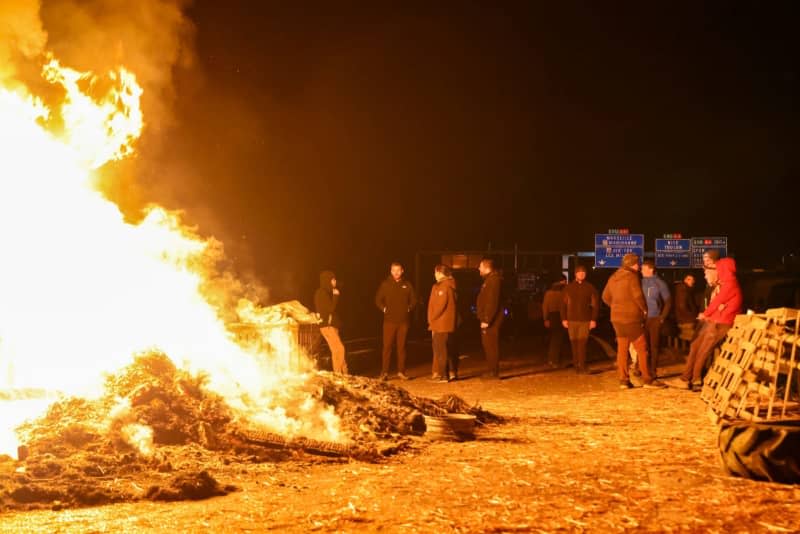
82	290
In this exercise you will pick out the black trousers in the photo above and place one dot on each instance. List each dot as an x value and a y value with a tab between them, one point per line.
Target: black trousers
490	339
394	332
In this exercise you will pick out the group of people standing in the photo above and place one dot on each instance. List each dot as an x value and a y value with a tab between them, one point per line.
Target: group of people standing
640	303
396	299
632	319
639	308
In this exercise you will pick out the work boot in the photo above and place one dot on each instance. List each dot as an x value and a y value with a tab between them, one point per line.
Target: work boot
625	384
696	386
453	377
384	377
402	376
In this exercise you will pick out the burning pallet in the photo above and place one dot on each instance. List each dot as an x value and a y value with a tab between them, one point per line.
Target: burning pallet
756	377
313	446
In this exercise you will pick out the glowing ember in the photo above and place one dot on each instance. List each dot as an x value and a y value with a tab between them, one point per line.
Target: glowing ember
82	291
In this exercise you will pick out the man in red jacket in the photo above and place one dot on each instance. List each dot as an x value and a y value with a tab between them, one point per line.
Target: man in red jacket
726	303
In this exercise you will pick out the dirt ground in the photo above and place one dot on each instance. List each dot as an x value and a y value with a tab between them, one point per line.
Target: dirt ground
577	454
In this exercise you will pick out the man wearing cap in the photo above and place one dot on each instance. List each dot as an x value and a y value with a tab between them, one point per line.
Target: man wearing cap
579	309
623	294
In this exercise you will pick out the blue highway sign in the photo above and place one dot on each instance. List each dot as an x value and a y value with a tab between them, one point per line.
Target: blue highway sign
610	248
702	244
673	253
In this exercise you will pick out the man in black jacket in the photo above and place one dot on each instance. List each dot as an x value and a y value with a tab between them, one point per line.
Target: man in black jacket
395	299
686	308
490	315
325	301
580	306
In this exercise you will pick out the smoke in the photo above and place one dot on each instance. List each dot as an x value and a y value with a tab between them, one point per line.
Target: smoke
21	36
151	38
154	39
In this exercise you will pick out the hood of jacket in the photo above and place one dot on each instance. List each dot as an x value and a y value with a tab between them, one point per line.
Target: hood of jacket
325	278
623	272
447	282
726	269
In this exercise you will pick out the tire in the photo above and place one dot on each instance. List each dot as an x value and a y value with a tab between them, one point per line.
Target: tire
762	451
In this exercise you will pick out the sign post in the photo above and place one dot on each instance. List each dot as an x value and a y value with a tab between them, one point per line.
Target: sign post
673	253
610	248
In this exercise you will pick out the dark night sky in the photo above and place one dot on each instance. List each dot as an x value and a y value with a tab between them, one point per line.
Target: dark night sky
344	135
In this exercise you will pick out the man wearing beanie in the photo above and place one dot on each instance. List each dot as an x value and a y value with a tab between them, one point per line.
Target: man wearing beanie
623	294
579	309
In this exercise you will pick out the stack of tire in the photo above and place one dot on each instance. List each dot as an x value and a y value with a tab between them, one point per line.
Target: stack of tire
762	451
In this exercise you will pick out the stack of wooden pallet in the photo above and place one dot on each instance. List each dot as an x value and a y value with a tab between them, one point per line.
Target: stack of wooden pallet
756	376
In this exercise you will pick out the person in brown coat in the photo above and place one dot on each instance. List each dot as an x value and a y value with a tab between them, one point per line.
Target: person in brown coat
579	309
442	321
623	294
490	315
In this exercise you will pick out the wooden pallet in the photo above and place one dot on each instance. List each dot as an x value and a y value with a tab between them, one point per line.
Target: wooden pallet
756	376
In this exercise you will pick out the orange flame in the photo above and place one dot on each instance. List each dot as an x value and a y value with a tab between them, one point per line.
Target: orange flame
82	290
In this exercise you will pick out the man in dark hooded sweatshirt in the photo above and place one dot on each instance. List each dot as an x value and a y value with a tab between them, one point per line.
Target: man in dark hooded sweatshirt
325	301
395	299
623	294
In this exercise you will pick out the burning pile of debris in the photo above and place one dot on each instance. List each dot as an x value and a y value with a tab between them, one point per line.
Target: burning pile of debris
157	434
